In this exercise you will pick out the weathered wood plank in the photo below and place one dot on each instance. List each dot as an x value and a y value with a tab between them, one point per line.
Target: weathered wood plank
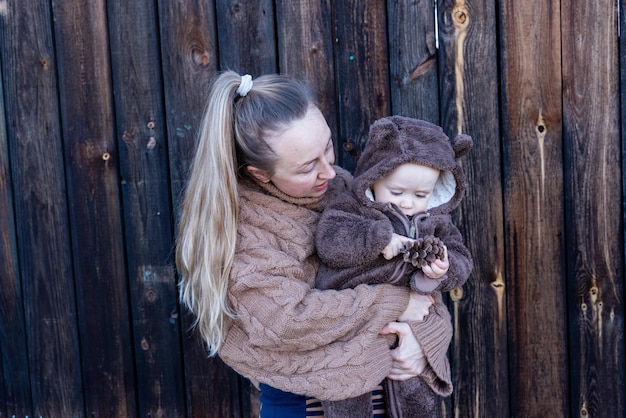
468	82
15	385
189	61
533	202
362	73
246	37
305	50
42	230
413	59
141	133
594	215
95	215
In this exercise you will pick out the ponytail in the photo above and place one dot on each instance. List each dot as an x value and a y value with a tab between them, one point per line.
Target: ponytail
231	136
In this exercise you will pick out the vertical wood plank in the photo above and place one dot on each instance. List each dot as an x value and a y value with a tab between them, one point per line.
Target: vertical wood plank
594	215
305	50
533	196
42	230
93	188
246	36
468	82
141	134
189	61
622	124
15	384
362	68
413	59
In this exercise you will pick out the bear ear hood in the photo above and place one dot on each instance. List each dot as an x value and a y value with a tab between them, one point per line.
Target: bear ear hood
397	140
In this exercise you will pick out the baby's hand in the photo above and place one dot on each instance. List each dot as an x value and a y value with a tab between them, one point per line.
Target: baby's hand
437	268
395	245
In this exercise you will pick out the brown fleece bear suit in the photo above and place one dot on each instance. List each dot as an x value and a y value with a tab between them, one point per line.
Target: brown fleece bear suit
354	229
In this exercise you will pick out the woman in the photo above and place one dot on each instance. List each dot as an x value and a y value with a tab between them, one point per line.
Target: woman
262	173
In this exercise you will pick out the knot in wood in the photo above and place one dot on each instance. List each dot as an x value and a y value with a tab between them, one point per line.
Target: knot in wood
144	344
460	15
127	136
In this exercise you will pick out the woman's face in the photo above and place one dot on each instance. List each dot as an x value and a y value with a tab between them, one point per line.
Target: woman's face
305	156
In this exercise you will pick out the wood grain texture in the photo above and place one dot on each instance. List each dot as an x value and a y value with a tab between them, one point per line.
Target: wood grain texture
591	127
143	156
469	104
15	387
42	230
246	37
362	73
189	60
95	213
413	62
534	207
305	50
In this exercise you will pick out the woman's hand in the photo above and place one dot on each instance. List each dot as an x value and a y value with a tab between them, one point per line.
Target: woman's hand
417	308
408	357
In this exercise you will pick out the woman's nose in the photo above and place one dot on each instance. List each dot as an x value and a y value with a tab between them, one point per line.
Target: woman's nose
328	172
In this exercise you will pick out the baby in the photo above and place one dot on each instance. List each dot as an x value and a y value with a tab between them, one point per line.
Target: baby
406	183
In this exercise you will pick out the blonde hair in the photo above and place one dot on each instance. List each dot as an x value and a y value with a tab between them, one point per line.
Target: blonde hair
231	137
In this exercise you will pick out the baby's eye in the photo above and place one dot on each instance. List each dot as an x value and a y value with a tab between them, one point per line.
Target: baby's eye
395	193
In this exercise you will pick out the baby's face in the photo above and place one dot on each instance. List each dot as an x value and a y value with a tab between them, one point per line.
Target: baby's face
409	187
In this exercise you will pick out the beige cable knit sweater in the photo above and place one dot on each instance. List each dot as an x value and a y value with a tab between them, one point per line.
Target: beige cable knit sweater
296	338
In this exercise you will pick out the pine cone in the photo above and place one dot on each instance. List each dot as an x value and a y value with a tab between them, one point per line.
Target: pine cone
424	251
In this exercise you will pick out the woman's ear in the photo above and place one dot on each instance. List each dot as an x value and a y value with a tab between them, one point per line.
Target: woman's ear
258	174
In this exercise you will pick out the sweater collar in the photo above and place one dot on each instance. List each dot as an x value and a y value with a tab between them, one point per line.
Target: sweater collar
314	203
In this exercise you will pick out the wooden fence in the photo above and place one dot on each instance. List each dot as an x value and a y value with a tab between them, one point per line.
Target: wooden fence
100	104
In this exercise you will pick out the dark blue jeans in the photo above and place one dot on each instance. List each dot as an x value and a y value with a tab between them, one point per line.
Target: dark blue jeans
278	404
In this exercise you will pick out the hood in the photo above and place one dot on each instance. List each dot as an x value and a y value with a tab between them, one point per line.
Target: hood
397	140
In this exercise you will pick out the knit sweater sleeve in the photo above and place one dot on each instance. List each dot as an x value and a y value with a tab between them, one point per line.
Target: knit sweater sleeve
434	335
275	301
318	343
338	370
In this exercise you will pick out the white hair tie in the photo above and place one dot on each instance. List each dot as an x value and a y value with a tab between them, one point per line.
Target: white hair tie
245	85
